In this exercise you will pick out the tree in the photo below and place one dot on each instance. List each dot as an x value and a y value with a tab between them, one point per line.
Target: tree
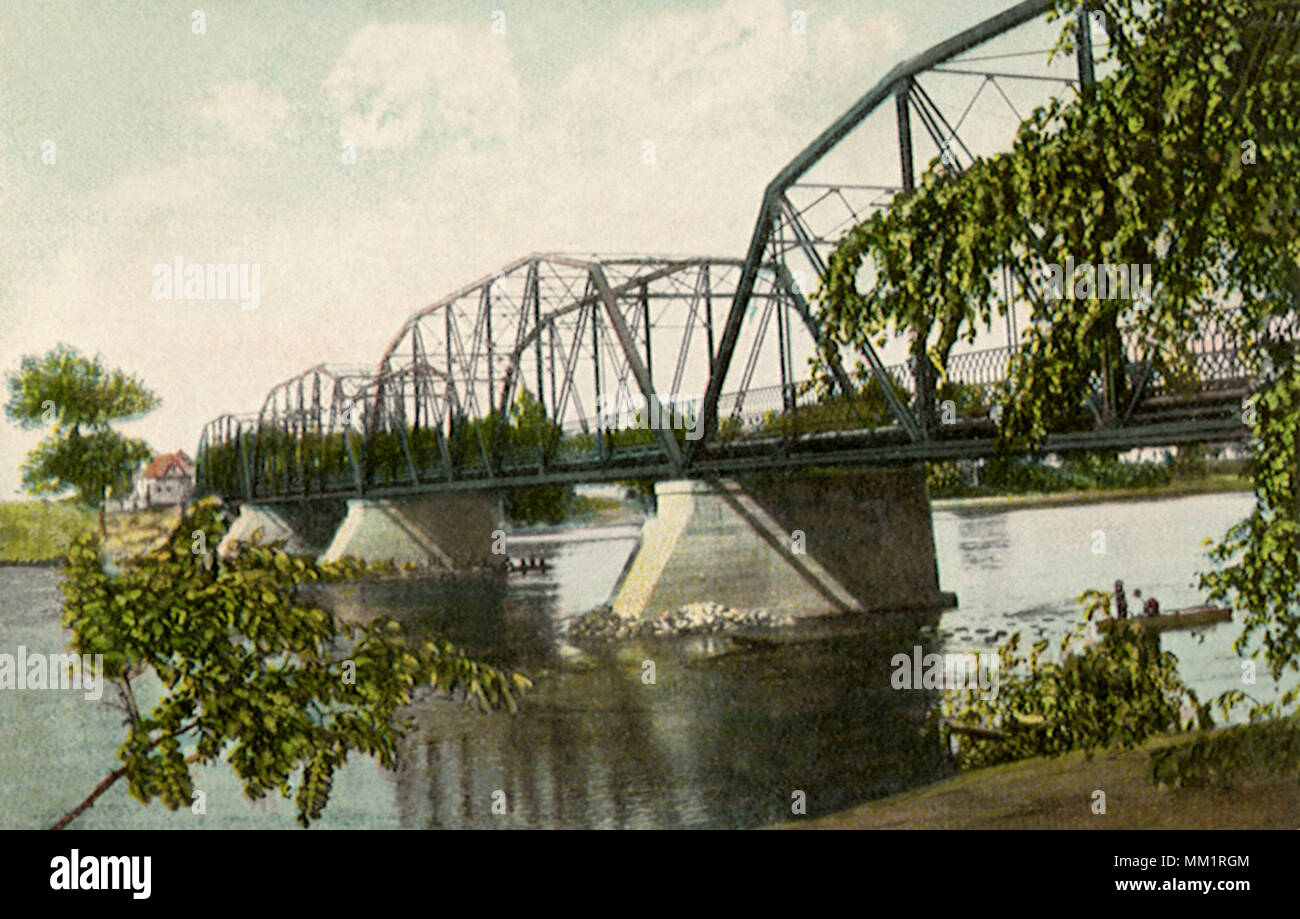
247	668
1184	157
532	437
79	398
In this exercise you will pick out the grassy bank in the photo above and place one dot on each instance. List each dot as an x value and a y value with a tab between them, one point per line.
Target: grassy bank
39	532
1210	484
1190	470
1057	793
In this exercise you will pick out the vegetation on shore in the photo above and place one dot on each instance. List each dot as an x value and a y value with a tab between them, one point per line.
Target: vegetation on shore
1188	471
39	532
42	532
1058	793
77	400
1114	693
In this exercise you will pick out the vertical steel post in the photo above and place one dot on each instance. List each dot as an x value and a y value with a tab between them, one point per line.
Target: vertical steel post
487	319
1083	49
537	327
903	109
708	314
417	375
595	353
924	401
779	239
555	397
645	316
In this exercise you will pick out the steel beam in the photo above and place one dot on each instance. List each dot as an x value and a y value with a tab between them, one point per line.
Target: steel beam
639	370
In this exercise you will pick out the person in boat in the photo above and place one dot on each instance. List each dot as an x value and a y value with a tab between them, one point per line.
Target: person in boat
1121	601
1151	607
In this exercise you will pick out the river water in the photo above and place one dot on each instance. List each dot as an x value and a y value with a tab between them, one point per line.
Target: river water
723	737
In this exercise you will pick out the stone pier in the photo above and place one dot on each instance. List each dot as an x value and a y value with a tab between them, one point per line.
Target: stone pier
450	531
439	531
305	526
803	545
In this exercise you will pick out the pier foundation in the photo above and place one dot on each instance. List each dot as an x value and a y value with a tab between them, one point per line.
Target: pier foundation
802	545
441	531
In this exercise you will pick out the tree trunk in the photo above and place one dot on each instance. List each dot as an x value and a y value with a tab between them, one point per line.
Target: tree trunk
923	375
103	527
91	798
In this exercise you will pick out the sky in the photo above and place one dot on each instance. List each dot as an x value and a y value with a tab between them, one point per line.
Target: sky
370	157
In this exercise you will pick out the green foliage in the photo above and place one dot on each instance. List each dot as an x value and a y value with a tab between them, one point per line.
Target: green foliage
310	462
549	504
867	408
1258	562
1221	758
250	671
531	438
1116	693
43	531
83	392
1143	168
1078	472
1028	475
39	531
1184	157
73	393
94	464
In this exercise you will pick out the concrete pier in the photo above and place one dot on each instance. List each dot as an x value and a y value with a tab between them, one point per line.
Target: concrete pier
306	526
800	545
441	531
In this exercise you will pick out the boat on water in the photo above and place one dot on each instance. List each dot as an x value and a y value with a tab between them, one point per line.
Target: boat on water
528	564
1188	618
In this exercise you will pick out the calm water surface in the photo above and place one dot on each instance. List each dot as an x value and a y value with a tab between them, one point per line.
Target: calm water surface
723	736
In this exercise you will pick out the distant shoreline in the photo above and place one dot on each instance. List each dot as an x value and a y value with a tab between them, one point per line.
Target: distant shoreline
1099	496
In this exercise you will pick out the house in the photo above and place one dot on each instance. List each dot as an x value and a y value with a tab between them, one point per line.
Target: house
167	479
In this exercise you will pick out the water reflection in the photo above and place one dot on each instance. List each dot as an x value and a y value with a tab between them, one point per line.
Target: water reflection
983	541
722	737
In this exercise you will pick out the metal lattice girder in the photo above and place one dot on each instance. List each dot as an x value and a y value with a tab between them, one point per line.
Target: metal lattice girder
818	213
589	332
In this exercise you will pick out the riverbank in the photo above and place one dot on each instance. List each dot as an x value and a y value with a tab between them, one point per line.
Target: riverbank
1210	485
40	532
1057	794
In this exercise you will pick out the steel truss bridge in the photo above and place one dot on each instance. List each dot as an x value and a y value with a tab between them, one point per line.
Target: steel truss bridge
594	340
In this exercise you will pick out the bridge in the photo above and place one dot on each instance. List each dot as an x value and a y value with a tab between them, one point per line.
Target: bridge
693	372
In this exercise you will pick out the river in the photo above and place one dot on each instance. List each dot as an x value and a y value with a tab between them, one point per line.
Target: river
717	740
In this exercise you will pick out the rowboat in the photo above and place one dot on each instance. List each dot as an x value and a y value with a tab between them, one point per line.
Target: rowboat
1188	618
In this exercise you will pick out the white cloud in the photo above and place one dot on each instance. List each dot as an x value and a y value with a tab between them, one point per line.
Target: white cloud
391	77
250	115
194	180
733	73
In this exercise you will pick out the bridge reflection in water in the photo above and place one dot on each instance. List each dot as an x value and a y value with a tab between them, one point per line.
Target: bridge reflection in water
716	741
